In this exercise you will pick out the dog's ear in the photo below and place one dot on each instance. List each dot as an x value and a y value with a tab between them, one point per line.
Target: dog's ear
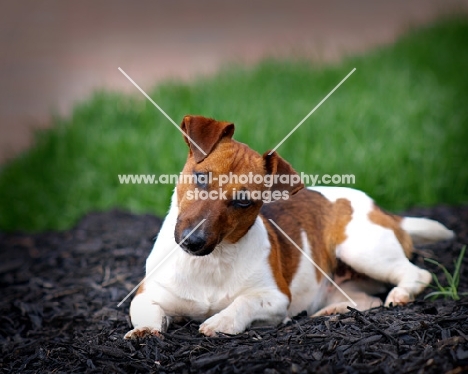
202	134
287	178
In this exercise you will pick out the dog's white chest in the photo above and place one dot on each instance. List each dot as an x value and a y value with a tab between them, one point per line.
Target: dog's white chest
201	288
197	287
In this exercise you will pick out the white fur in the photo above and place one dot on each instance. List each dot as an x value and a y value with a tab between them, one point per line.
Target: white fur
304	286
424	231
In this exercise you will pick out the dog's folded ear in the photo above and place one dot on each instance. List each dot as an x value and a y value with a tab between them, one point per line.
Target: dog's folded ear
202	134
286	178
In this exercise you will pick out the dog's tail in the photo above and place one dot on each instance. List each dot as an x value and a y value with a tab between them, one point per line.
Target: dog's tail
425	231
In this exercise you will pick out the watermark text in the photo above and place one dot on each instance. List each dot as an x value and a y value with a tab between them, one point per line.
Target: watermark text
267	180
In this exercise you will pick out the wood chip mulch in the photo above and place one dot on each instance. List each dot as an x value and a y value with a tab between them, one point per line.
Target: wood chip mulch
60	290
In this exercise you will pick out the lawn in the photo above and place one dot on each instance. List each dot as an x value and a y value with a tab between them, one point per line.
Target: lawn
399	124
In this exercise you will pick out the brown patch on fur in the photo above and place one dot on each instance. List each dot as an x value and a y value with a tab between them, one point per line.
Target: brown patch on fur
323	222
392	222
345	272
206	133
341	214
141	289
282	270
274	164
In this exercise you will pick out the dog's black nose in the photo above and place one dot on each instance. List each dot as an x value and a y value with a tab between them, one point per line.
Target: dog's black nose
195	242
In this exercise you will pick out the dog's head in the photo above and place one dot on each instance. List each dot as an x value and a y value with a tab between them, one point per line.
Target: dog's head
226	183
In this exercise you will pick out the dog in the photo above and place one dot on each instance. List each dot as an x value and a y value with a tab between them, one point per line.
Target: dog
234	261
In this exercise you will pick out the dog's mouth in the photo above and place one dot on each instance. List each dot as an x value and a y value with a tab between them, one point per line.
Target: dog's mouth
199	253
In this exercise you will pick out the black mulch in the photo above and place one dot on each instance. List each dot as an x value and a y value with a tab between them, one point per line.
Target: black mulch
58	313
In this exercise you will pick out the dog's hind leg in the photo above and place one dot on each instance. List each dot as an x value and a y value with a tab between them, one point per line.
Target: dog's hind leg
375	251
378	244
336	302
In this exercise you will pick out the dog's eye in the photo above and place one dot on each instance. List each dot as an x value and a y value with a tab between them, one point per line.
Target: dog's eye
244	203
201	180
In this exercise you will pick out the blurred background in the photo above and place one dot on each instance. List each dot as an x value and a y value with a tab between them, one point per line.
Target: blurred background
262	64
55	53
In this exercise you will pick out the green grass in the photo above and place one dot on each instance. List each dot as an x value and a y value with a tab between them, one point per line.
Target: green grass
399	124
451	290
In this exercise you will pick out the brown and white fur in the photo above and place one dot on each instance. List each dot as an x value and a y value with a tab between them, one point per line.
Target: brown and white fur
237	268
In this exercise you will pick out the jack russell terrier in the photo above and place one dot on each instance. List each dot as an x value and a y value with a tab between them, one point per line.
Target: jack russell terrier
237	267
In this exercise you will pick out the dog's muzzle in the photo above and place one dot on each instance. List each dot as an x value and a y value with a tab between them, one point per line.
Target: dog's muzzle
195	244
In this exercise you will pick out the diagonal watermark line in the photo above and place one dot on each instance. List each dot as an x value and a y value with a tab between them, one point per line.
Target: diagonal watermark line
161	110
313	262
160	263
312	111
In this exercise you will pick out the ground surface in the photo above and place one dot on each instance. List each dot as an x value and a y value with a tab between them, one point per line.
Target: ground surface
58	313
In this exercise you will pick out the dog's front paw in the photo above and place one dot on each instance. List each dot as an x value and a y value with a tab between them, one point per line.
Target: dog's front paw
221	323
142	332
398	296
